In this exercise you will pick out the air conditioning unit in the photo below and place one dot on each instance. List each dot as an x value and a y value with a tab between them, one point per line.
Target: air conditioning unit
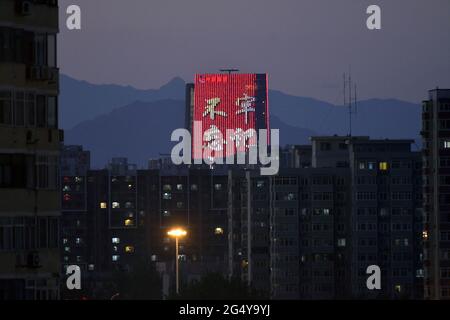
23	7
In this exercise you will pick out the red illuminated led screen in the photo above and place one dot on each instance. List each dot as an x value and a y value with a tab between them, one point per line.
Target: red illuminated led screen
230	101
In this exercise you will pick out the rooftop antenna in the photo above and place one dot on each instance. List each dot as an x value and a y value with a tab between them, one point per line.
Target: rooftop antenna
351	105
229	71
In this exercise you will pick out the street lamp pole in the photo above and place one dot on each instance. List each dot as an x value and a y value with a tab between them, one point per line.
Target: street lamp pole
177	267
177	233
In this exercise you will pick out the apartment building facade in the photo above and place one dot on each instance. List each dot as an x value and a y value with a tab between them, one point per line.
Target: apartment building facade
436	193
29	150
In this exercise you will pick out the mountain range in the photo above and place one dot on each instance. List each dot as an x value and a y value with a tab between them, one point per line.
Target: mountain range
120	121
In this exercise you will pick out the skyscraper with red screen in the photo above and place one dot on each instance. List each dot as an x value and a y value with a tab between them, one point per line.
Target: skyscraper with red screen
237	102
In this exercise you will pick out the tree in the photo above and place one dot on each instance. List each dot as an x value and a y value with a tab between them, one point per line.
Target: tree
141	282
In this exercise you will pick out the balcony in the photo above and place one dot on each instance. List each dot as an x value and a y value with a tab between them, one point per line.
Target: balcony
43	73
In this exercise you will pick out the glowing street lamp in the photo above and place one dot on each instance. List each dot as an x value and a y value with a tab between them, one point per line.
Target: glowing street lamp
177	233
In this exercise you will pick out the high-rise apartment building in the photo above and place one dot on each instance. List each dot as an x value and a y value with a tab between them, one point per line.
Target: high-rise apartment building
436	193
29	150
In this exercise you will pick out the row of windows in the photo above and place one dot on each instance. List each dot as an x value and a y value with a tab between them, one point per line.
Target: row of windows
367	227
321	243
305	227
117	205
285	181
370	196
26	109
317	180
373	180
444	162
316	257
445	236
32	49
285	196
327	146
28	233
443	106
27	171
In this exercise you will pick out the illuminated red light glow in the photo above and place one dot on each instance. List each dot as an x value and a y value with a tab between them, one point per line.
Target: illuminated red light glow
235	101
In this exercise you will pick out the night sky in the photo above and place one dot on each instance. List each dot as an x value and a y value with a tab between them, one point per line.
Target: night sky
304	45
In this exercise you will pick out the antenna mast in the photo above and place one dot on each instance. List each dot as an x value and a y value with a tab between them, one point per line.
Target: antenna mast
351	105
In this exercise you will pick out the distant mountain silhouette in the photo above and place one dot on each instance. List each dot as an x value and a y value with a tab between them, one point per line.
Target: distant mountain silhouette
377	118
80	100
100	122
142	130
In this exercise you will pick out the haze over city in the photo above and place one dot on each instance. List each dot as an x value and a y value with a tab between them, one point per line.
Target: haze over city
305	46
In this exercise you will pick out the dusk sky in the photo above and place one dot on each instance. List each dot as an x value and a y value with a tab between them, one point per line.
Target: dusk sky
304	45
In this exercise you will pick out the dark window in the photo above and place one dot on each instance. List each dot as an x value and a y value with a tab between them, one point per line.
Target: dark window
13	173
41	114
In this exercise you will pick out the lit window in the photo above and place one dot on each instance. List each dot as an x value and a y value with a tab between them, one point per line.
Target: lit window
371	165
167	187
166	213
66	189
115	240
129	223
129	249
115	258
398	288
290	197
341	242
218	231
115	248
103	205
65	241
425	235
154	257
130	186
130	215
167	196
66	258
447	144
383	166
67	249
78	241
129	205
91	267
116	205
218	186
179	187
